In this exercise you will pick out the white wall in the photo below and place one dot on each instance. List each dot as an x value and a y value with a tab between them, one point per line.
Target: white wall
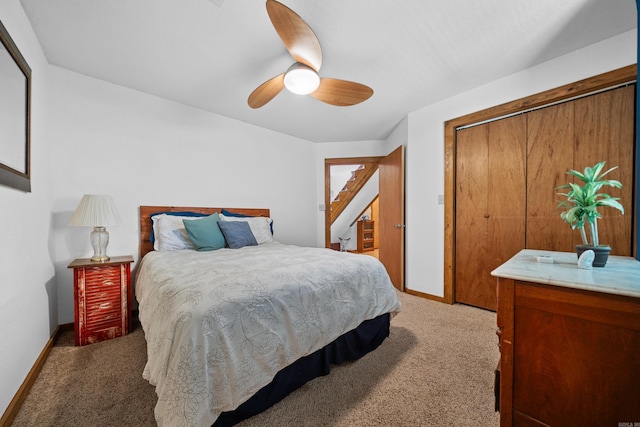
399	136
28	307
425	151
144	150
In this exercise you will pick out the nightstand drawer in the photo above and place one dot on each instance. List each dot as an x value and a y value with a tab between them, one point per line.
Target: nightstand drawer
106	275
102	316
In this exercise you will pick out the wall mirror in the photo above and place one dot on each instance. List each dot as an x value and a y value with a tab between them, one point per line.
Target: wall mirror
15	96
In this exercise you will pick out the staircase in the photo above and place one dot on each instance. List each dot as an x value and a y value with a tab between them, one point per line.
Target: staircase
359	178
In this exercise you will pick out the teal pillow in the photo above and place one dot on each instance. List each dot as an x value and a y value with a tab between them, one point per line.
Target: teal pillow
205	233
237	234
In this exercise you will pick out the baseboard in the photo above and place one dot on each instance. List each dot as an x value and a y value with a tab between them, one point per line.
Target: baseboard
14	406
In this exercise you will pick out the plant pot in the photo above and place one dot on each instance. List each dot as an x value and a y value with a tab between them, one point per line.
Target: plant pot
602	253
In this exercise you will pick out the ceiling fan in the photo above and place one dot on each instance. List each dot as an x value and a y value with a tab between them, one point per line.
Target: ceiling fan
302	77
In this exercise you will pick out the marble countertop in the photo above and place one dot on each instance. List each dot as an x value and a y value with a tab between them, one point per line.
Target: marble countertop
621	275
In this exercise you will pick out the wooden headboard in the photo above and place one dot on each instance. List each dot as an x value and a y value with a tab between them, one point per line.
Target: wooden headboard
146	224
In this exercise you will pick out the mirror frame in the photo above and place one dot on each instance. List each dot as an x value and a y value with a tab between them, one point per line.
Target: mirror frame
9	176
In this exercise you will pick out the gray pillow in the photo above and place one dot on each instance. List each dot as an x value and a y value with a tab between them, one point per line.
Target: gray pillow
237	234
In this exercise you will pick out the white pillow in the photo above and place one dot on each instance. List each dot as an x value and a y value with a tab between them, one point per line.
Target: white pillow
169	233
260	227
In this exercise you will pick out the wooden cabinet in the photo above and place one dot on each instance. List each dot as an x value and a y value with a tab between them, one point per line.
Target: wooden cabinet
569	341
366	236
102	299
507	172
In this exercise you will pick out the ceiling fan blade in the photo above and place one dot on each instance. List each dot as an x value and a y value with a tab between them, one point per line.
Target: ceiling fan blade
266	91
341	93
297	36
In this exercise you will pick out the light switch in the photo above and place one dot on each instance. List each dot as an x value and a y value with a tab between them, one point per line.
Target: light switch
441	199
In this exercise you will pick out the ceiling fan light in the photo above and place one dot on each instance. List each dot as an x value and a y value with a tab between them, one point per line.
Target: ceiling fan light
301	79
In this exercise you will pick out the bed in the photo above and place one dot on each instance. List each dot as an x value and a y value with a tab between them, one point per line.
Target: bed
232	330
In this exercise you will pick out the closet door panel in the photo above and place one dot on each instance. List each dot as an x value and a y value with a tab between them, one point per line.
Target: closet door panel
549	157
490	205
604	131
507	190
471	210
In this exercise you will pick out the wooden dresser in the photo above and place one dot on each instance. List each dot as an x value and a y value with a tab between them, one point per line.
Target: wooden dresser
569	341
102	299
366	232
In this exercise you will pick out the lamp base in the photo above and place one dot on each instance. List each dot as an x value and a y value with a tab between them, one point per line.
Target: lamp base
99	241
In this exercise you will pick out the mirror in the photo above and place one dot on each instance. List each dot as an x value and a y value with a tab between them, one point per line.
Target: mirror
15	87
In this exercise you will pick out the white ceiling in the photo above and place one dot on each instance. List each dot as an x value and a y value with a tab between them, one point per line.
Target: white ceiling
211	54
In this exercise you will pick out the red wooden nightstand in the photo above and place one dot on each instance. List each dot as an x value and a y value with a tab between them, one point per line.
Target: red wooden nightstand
102	298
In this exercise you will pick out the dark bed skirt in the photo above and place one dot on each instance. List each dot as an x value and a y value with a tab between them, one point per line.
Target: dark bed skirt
350	346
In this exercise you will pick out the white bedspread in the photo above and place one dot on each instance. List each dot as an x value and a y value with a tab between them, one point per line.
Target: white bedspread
219	325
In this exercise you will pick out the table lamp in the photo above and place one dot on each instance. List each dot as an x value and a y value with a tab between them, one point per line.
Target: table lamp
96	211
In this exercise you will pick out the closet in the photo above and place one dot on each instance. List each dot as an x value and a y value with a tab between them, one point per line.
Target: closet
506	174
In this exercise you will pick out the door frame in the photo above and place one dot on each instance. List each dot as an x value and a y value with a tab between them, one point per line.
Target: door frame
327	187
621	76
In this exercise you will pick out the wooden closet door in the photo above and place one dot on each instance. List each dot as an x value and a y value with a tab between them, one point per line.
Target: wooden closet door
549	156
490	205
575	135
604	131
471	207
490	162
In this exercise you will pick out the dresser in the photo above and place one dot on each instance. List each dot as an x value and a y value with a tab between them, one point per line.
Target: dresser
569	341
102	299
366	236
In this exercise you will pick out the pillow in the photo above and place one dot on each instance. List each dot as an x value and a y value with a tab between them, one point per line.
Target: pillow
237	234
238	215
204	232
260	227
170	233
155	215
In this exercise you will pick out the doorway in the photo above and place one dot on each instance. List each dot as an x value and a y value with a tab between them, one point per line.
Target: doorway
391	209
333	167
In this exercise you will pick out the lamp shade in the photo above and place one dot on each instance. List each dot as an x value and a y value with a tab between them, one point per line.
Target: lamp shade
95	210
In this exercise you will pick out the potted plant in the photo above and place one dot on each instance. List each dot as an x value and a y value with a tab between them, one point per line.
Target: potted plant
581	208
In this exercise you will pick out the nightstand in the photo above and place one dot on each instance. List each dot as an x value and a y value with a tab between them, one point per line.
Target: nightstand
102	298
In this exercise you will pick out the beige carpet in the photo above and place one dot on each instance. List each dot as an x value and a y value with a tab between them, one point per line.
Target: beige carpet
435	369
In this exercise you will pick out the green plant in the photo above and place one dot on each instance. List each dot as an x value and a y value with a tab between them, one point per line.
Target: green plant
582	202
